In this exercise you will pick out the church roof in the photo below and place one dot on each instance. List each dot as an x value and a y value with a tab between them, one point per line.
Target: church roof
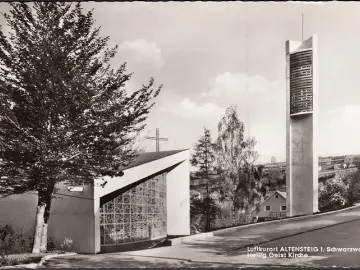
151	156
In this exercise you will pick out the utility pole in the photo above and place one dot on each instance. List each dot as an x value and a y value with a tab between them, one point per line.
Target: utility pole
302	26
247	78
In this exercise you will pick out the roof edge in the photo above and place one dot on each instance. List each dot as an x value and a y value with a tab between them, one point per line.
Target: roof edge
138	162
276	191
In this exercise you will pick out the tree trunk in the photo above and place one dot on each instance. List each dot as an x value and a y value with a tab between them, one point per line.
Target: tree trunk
39	225
207	205
234	214
43	246
42	218
207	188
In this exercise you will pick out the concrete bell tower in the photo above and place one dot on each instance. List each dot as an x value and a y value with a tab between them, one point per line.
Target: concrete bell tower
301	127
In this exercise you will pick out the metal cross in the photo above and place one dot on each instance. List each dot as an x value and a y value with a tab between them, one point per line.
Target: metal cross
158	139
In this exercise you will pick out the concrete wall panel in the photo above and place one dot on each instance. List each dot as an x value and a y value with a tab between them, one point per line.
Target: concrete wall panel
19	211
71	216
178	200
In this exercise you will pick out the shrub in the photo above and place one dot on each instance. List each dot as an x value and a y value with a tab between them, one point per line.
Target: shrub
333	194
51	245
354	193
225	217
326	177
209	214
13	243
3	260
195	214
203	213
354	188
67	245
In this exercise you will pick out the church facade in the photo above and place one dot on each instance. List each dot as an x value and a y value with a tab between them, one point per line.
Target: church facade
149	202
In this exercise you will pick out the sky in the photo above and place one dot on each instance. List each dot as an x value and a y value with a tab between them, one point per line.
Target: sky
210	55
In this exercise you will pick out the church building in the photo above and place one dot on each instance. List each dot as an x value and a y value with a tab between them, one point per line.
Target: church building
148	203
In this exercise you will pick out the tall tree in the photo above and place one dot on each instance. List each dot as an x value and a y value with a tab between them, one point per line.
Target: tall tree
204	158
64	111
235	156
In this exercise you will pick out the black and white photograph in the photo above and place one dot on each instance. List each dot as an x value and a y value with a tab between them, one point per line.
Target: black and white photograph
177	134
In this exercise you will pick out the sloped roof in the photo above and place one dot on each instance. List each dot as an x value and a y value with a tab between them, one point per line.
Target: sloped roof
281	193
150	156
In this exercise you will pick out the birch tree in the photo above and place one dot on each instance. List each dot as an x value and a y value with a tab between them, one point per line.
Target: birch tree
235	154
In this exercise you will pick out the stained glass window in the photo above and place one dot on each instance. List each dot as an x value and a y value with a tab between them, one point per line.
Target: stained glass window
138	214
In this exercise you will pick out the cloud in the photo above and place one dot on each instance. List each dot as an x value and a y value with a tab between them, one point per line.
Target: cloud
261	105
258	100
142	54
143	58
346	114
254	94
338	131
249	89
189	109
